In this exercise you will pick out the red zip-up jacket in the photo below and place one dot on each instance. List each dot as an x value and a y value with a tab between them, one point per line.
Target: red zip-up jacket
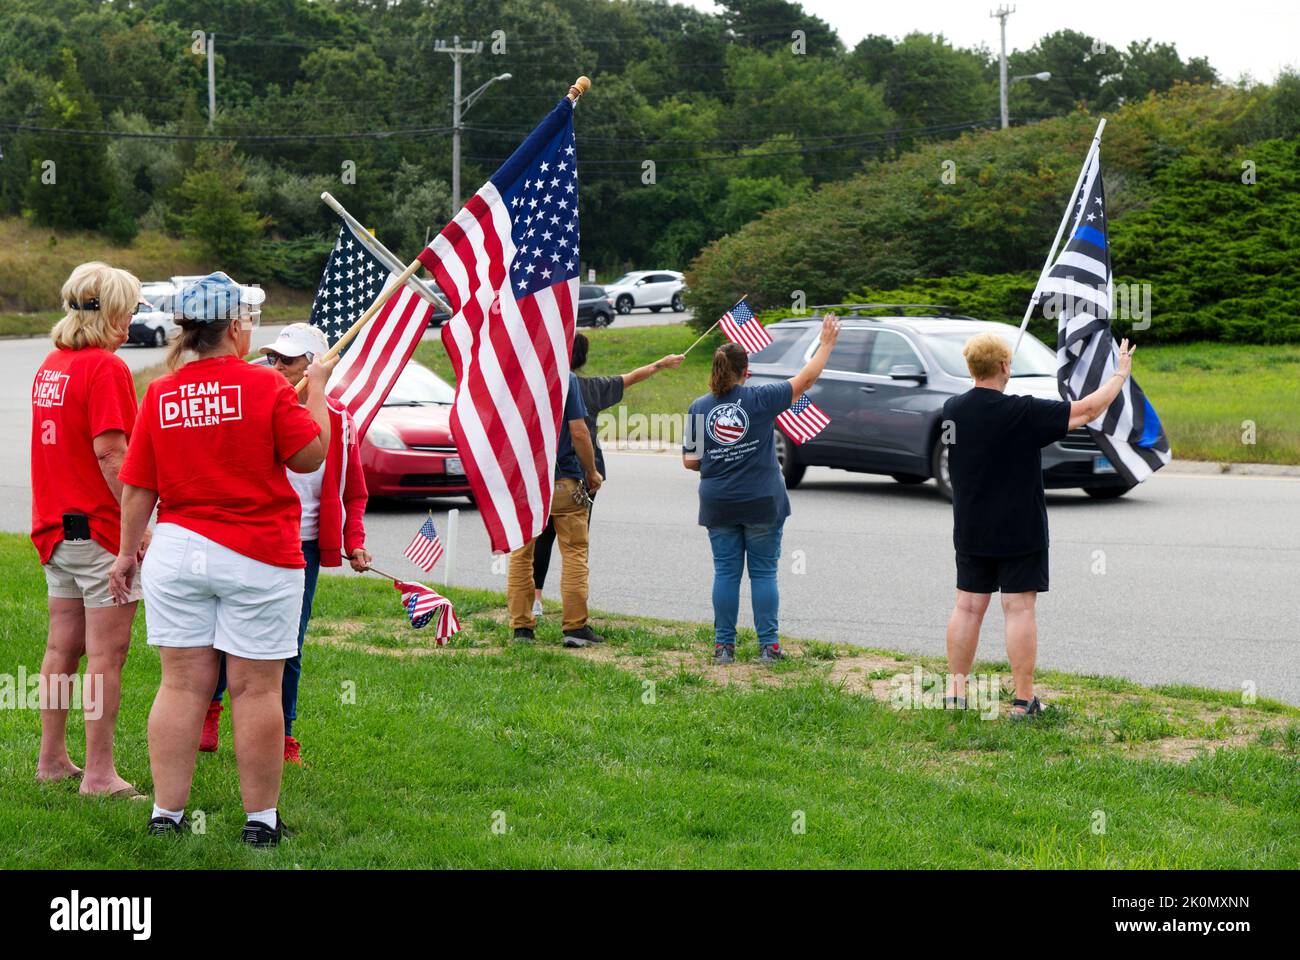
343	492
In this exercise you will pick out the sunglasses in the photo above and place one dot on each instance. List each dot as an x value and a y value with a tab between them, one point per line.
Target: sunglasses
273	358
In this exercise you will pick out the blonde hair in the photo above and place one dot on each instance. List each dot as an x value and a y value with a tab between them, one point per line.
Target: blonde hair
98	300
984	354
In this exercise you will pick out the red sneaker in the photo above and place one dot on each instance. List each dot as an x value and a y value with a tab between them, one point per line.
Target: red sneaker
292	750
211	728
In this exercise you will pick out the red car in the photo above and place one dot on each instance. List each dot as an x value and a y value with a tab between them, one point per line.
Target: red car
408	450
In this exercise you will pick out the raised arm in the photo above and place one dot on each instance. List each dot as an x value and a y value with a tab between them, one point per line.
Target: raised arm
1095	404
670	362
805	378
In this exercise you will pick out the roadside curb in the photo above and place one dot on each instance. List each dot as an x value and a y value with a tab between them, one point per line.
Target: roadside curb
1196	467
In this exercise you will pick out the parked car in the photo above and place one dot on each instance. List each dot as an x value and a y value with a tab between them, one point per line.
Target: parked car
408	450
655	289
884	388
595	306
153	325
439	315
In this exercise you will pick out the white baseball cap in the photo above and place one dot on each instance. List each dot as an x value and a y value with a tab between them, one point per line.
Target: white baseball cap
297	339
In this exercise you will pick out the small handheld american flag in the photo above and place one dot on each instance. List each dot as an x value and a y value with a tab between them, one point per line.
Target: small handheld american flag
740	327
424	605
425	548
803	421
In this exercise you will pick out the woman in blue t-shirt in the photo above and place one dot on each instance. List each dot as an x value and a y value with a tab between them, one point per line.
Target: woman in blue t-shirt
729	440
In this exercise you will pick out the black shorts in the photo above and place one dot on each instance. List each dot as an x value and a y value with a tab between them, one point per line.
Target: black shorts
1026	573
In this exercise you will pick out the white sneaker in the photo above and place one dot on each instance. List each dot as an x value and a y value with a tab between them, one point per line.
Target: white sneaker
537	608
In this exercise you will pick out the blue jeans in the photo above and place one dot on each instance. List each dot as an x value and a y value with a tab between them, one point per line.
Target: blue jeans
293	666
761	544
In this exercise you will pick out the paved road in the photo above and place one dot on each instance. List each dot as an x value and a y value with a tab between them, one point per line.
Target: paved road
1199	583
644	318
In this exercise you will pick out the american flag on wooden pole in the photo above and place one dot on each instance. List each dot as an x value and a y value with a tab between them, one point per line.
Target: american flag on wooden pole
424	605
803	421
356	275
508	262
741	327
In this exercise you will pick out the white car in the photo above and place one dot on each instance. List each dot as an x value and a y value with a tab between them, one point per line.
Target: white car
154	327
655	289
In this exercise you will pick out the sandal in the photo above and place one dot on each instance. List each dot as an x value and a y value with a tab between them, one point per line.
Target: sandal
954	703
1026	709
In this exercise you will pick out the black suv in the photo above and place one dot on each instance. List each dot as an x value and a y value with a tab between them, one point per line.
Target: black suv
595	306
884	388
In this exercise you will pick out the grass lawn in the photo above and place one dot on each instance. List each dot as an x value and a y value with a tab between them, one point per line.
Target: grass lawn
580	762
1203	391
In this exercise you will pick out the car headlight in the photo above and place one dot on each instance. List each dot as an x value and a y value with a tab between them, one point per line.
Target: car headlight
384	439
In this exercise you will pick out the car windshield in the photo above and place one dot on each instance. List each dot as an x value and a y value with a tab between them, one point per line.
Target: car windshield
625	280
417	386
1033	359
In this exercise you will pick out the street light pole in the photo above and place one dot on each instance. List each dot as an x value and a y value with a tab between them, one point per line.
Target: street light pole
456	52
1001	14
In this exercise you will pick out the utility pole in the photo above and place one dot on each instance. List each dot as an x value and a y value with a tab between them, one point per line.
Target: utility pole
456	52
212	80
1002	14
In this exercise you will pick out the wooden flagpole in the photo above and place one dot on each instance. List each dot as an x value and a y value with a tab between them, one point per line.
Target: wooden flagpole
1069	208
576	90
710	330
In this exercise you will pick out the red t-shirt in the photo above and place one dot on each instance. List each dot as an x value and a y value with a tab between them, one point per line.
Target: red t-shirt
76	396
212	441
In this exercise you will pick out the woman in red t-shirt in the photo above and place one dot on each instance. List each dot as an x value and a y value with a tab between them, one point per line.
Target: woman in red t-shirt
224	572
83	412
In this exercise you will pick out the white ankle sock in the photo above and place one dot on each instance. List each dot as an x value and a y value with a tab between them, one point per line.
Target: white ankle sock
268	817
173	815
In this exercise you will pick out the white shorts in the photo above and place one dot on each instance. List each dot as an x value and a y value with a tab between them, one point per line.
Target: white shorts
198	593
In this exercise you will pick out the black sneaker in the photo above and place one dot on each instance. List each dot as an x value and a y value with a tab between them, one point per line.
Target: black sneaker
582	637
770	653
166	826
724	653
524	634
259	835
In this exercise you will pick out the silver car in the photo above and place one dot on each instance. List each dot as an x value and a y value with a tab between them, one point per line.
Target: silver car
885	385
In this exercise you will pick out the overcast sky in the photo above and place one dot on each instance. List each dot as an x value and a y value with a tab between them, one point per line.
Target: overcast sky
1258	37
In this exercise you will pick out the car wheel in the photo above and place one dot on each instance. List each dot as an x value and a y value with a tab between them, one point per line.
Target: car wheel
791	469
1106	493
939	468
624	304
908	478
679	305
602	319
160	337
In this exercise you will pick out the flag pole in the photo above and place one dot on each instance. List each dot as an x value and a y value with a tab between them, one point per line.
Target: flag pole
373	569
390	261
1069	207
710	330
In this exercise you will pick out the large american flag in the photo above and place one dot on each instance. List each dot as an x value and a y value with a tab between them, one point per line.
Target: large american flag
1080	286
739	325
423	605
803	421
508	262
354	278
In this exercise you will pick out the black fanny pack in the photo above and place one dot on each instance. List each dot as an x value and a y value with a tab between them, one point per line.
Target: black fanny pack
76	526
